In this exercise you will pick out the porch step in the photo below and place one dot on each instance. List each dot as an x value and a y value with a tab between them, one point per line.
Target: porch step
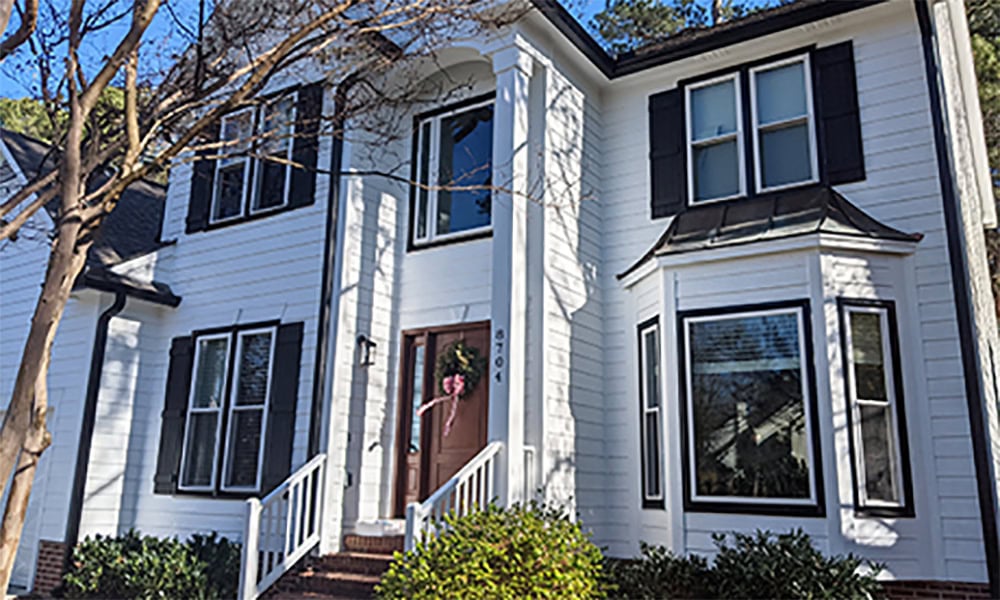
352	573
355	562
338	584
385	544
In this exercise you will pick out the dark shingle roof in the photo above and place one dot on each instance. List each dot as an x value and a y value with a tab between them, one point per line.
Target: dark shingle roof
131	230
801	211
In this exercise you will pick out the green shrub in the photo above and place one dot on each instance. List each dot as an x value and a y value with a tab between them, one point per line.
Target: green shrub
765	565
135	566
520	552
221	562
759	565
660	573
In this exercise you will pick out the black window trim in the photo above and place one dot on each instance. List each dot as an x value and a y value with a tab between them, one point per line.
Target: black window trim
411	244
906	509
754	508
647	501
246	215
252	162
232	331
748	154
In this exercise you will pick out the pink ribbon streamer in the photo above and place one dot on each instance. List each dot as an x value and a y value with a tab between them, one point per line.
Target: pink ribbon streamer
453	386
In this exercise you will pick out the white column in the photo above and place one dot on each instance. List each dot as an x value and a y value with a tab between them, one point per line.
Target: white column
513	69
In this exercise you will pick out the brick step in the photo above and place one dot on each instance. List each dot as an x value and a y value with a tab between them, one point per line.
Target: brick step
354	562
386	544
337	584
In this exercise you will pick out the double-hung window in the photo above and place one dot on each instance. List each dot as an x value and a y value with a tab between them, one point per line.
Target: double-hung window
454	171
253	173
748	409
227	409
875	406
715	144
650	419
781	145
784	136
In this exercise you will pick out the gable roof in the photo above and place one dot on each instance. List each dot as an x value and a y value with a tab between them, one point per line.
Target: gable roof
694	40
130	230
802	211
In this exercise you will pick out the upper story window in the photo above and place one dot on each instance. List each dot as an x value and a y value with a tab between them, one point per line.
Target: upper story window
715	148
253	173
781	145
784	134
454	171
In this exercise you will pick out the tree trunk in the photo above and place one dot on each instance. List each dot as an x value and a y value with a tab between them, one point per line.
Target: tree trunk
20	492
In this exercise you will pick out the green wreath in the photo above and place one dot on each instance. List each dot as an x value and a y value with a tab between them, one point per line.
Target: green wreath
459	359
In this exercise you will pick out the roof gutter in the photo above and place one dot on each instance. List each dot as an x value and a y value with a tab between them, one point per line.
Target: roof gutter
325	329
728	34
87	424
975	398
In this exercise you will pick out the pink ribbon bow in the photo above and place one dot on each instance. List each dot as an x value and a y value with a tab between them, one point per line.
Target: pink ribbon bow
454	386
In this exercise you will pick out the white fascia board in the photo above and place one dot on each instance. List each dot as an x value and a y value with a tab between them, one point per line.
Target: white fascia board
958	37
817	242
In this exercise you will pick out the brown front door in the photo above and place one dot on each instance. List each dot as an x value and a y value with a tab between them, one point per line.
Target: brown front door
426	457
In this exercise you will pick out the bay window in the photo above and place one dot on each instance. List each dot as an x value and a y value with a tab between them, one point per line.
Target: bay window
649	412
749	410
454	171
881	477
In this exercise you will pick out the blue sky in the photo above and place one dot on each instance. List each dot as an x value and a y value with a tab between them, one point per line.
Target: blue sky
19	78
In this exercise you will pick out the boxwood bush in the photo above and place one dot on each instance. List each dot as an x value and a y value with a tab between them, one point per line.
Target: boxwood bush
659	573
136	566
520	552
758	565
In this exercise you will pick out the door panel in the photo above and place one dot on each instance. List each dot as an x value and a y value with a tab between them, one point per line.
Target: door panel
426	457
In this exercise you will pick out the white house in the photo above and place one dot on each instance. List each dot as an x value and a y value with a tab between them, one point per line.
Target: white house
733	280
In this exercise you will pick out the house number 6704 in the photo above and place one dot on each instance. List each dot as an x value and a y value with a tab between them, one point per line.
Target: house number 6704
498	361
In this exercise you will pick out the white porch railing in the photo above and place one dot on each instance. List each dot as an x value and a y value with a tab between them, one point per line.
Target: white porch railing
281	528
469	489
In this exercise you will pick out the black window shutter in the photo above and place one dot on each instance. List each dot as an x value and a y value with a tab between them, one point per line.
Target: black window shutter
203	174
168	461
836	91
281	412
305	150
667	153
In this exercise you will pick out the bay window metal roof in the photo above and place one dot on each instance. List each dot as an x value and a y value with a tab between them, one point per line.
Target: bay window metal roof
815	209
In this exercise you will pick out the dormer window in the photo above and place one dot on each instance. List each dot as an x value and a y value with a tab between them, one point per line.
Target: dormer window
253	173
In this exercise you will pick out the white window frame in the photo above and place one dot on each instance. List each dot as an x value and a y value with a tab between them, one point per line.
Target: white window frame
191	410
259	172
644	392
889	371
247	167
432	184
807	399
809	119
233	408
736	135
